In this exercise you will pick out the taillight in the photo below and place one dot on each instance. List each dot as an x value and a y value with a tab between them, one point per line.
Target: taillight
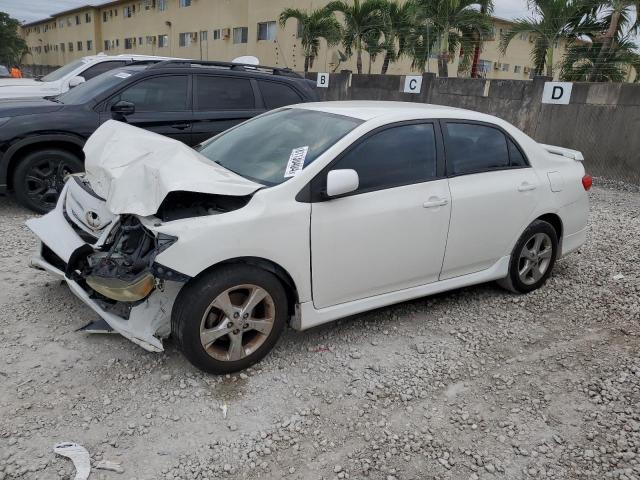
587	182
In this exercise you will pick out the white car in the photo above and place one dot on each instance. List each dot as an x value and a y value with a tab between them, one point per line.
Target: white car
67	76
305	214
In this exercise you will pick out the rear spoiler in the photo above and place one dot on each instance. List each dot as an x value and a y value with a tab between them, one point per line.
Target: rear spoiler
564	152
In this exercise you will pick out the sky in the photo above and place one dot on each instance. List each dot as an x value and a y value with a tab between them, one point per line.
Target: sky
30	10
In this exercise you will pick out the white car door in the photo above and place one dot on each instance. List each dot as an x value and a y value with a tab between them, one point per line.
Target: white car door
493	193
389	234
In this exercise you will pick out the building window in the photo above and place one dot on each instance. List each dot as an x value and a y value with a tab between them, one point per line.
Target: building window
62	47
140	41
266	31
517	68
163	41
240	34
127	12
300	29
149	4
60	24
185	3
524	36
505	67
71	46
484	66
104	16
128	43
151	40
77	19
216	34
68	21
162	5
204	35
106	45
186	39
79	45
87	18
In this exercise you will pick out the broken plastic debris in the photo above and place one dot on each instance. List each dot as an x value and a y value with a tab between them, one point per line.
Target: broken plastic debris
618	276
224	410
78	455
109	465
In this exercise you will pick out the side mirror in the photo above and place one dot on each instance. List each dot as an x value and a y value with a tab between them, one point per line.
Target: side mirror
75	81
123	108
340	182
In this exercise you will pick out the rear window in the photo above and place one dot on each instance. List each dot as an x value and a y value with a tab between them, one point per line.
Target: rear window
223	93
277	95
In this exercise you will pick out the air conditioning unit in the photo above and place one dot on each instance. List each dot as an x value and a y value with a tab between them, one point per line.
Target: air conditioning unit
226	33
526	70
194	36
497	65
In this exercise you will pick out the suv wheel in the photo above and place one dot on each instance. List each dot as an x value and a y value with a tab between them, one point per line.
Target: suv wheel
40	176
532	259
230	318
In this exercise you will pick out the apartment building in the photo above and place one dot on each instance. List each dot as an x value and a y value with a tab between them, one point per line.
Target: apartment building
223	30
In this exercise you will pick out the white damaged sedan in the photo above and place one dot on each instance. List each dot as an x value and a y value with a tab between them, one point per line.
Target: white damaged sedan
304	215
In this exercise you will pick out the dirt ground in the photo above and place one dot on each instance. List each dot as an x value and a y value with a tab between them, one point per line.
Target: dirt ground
475	383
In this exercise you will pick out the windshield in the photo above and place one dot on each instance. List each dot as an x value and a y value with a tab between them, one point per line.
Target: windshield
274	147
92	88
62	71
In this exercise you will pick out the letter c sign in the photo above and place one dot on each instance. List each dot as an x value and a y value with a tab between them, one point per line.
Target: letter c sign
323	80
557	92
412	84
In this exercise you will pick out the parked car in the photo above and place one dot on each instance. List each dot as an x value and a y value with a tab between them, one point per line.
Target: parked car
309	214
41	139
4	72
68	76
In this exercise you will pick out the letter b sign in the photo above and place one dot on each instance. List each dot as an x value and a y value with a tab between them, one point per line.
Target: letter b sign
557	92
323	80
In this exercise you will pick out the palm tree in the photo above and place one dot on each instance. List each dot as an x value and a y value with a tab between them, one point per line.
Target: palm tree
398	22
618	14
486	8
362	22
314	26
551	21
585	61
455	22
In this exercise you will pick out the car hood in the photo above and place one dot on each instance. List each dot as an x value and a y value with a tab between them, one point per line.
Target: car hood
13	107
14	82
27	87
134	170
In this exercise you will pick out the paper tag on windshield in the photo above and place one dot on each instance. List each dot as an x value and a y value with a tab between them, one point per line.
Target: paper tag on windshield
296	161
122	75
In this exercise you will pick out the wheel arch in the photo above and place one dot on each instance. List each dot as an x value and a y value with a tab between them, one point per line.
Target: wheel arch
555	221
70	143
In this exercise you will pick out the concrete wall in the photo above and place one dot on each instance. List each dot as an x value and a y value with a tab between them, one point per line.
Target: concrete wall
601	120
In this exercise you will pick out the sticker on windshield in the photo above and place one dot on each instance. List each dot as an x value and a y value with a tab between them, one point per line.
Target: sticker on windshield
122	75
296	161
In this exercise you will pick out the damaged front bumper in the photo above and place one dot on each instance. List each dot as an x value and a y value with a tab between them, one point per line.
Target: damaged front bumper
71	250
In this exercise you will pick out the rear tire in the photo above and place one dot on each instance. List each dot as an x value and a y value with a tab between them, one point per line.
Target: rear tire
532	258
229	318
39	177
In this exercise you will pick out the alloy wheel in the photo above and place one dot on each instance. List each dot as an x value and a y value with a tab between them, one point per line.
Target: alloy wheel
535	258
237	322
45	180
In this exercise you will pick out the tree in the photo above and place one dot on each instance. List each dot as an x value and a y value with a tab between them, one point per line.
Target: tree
314	26
551	22
456	24
398	20
618	14
362	23
585	61
486	8
12	46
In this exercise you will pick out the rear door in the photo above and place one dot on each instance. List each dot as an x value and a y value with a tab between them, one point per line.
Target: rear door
221	102
493	193
162	105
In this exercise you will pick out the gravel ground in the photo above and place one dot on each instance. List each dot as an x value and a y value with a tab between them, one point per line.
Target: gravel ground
476	383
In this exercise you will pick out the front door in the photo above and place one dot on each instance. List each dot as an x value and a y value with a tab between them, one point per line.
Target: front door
162	105
389	234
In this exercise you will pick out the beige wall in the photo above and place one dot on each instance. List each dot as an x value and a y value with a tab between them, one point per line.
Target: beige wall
209	15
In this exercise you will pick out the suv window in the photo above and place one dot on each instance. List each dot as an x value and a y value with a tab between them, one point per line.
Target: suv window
395	156
99	68
159	94
277	95
223	93
473	148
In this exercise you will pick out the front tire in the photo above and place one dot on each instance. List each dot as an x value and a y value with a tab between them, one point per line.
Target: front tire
532	258
229	318
39	177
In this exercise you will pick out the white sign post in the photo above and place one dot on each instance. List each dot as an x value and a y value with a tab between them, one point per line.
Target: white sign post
323	80
557	92
412	84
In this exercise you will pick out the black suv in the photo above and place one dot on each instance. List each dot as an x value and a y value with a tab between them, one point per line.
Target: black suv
41	139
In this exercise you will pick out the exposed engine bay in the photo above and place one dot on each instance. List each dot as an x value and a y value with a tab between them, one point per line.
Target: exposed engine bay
180	204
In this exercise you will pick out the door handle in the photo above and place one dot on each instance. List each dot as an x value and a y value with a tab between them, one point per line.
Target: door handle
181	126
526	186
435	202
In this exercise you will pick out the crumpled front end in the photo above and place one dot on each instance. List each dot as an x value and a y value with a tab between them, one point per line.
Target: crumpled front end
108	261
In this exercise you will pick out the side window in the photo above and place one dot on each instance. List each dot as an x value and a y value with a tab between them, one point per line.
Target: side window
277	94
472	148
517	159
159	94
223	93
99	68
395	156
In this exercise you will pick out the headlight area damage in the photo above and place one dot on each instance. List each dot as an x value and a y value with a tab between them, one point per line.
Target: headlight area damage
102	237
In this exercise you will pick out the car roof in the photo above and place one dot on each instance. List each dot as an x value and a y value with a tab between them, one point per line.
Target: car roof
123	56
370	109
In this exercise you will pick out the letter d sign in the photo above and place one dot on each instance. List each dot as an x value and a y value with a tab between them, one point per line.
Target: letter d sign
557	92
323	80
